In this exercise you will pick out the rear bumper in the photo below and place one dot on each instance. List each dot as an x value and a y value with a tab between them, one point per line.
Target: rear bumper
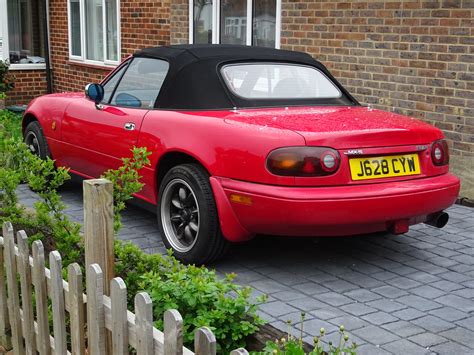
329	211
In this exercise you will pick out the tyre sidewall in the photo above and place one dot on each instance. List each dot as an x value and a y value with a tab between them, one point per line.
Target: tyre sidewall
209	229
35	128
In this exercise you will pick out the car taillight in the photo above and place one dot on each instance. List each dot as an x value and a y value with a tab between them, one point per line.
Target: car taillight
440	152
303	161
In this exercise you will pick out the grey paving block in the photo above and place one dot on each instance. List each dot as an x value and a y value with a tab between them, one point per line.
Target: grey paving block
427	340
375	335
447	286
310	288
404	346
419	303
449	314
370	349
350	323
403	328
277	309
387	305
340	286
408	314
390	292
268	286
467	323
379	318
287	295
334	299
427	292
451	348
461	303
433	324
308	304
362	295
460	335
358	309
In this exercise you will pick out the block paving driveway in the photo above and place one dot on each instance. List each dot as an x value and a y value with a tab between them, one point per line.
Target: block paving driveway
409	294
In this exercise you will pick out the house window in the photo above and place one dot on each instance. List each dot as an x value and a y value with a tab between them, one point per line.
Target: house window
250	22
23	28
94	29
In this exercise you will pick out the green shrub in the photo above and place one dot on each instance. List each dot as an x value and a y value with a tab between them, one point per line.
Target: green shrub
6	78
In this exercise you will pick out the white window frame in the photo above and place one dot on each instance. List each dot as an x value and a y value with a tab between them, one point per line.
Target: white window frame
216	22
5	55
83	58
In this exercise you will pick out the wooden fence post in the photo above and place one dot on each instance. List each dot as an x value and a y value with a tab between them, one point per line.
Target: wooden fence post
118	306
95	310
58	303
99	234
99	227
43	341
144	323
204	342
76	305
5	343
13	295
173	337
26	293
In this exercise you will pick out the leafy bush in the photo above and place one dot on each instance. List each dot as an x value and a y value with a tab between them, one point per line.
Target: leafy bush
6	79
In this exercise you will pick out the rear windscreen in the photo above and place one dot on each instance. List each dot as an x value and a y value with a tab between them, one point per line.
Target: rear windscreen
278	81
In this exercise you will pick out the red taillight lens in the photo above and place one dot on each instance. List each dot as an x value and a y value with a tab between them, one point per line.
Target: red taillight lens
440	152
303	161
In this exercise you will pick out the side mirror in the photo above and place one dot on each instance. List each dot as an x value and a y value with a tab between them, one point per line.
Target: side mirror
94	92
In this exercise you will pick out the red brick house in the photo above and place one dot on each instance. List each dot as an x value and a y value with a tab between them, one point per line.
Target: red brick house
412	56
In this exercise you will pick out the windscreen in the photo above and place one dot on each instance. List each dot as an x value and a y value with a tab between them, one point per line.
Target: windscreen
278	81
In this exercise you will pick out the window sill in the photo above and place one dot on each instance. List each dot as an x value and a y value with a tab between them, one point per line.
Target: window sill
40	66
92	65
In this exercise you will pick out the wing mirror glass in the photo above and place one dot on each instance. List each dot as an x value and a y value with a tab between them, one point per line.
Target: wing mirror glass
95	92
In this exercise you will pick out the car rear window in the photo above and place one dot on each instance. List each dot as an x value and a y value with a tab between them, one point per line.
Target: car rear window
278	81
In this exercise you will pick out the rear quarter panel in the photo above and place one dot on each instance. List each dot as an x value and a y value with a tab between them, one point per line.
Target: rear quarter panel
236	151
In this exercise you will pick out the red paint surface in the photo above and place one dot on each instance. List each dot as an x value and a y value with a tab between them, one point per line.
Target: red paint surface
233	146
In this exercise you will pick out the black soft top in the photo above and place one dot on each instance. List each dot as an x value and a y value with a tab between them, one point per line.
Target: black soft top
194	81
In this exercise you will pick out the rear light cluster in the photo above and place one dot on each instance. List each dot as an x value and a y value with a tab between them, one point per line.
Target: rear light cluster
440	152
303	161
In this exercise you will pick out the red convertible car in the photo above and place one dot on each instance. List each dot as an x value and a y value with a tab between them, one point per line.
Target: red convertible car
248	141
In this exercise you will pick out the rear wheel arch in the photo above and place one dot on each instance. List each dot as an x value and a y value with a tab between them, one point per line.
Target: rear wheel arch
174	158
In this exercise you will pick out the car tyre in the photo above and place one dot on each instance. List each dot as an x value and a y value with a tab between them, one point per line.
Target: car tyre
187	215
35	140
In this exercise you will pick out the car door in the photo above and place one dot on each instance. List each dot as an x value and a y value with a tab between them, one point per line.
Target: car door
97	137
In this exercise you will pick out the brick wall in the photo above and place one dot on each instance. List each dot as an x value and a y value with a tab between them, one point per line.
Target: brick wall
415	57
144	23
179	22
28	85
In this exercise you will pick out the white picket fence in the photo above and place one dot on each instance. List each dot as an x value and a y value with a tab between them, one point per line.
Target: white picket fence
110	327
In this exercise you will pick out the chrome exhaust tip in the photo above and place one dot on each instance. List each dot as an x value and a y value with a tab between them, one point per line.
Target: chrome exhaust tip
438	220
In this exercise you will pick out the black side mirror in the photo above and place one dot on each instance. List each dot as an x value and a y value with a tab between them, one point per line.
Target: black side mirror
95	92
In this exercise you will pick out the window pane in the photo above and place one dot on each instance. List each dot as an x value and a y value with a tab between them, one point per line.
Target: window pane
26	28
111	13
141	83
202	26
264	23
111	83
94	30
233	21
278	81
75	27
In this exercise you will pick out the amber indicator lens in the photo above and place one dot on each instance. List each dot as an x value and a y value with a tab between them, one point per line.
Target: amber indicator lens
303	161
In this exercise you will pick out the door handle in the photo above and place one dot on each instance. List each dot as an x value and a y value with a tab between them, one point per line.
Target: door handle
129	126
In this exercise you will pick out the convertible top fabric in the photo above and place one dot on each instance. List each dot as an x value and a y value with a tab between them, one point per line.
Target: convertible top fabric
194	82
